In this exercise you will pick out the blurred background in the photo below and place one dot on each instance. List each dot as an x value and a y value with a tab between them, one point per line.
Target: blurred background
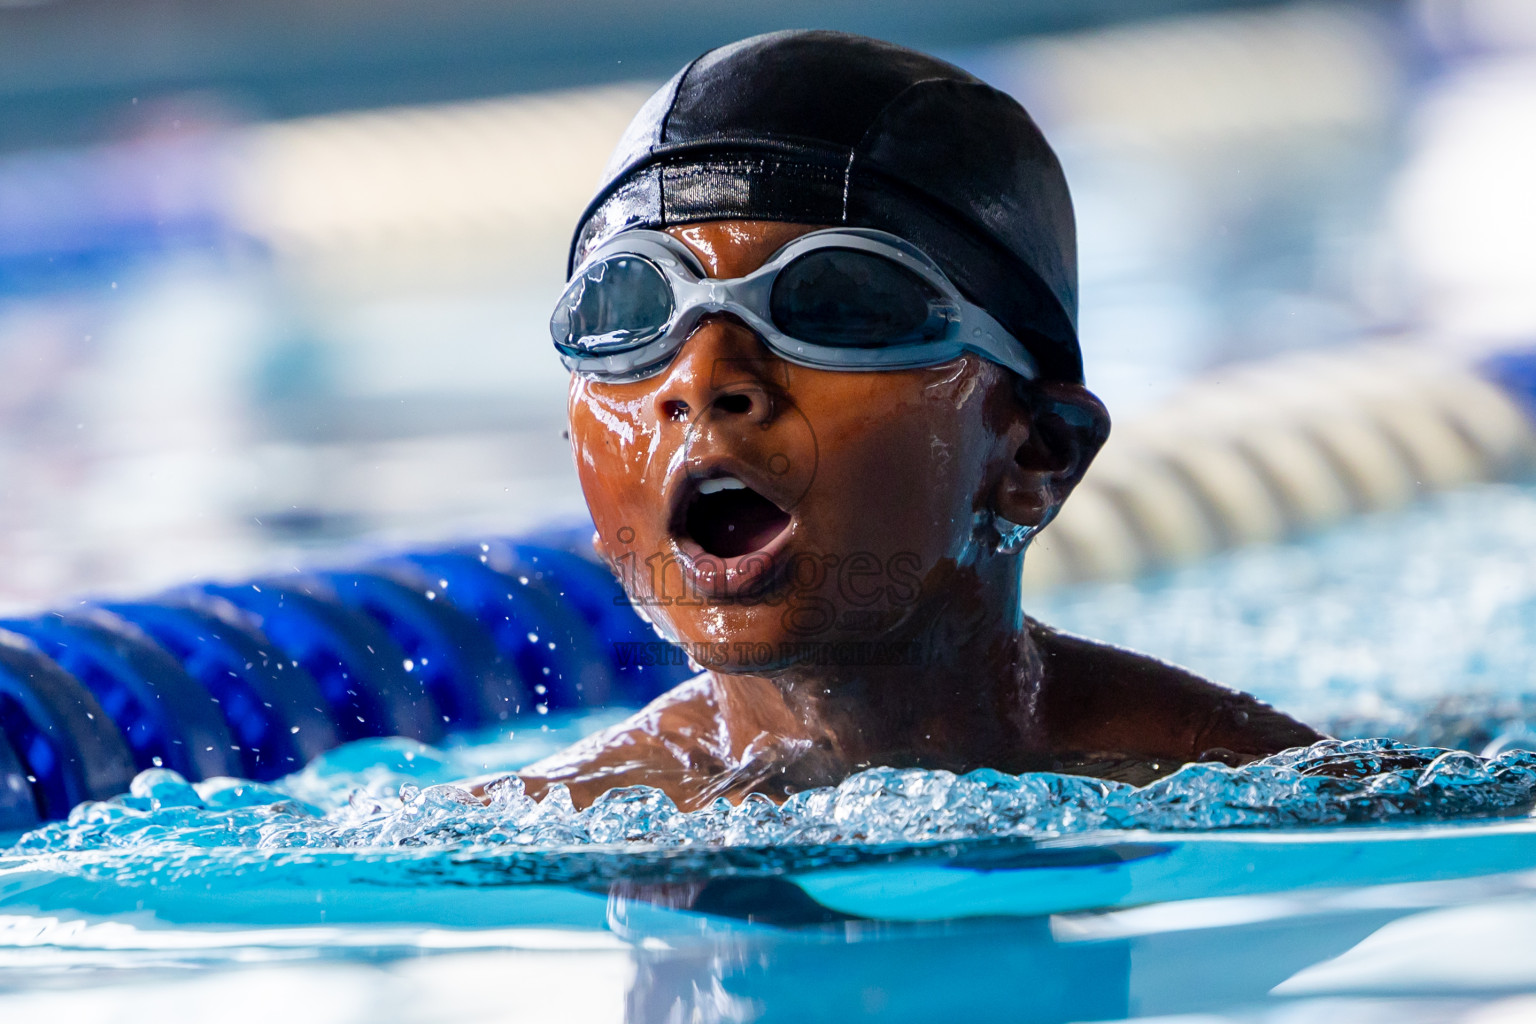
274	276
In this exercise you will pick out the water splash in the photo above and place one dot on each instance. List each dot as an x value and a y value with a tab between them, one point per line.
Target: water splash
1330	783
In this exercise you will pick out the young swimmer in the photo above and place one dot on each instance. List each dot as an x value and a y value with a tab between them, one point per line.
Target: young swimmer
825	387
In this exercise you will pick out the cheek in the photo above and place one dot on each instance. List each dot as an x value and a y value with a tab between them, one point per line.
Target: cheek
910	449
905	479
614	445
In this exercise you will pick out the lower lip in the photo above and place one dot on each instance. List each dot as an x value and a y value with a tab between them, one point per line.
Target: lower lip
716	577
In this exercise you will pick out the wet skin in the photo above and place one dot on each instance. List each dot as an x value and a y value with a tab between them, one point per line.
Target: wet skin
841	577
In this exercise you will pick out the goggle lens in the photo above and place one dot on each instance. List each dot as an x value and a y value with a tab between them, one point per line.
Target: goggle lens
851	299
615	305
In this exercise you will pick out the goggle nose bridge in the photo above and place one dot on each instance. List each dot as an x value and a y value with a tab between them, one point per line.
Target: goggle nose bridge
738	296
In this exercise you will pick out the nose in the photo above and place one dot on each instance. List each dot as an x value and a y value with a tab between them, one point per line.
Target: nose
724	370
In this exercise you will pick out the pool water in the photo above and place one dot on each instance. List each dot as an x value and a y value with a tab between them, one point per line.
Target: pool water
1364	879
1413	624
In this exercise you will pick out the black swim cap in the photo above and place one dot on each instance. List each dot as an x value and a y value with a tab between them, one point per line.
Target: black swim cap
830	128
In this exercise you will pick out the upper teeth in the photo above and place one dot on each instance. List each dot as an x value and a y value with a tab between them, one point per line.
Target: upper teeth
721	483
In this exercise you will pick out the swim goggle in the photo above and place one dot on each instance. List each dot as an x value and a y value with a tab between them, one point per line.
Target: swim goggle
838	299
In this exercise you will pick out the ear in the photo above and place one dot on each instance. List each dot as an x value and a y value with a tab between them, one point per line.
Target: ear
1056	431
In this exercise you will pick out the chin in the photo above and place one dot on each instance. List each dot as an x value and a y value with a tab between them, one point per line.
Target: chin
786	629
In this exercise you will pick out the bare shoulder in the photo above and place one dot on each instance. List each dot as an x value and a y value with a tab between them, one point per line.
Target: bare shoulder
667	740
1100	698
668	726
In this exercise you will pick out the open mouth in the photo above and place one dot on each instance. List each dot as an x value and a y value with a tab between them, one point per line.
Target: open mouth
728	519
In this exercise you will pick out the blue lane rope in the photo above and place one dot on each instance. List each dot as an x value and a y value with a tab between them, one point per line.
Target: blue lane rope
167	717
453	659
18	810
359	668
591	591
254	679
69	749
557	657
273	708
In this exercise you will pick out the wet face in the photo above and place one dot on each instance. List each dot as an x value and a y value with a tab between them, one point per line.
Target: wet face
769	509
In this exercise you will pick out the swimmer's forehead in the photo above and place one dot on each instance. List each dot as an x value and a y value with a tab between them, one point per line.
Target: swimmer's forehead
735	248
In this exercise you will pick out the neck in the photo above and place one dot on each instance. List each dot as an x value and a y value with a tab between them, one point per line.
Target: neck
958	687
